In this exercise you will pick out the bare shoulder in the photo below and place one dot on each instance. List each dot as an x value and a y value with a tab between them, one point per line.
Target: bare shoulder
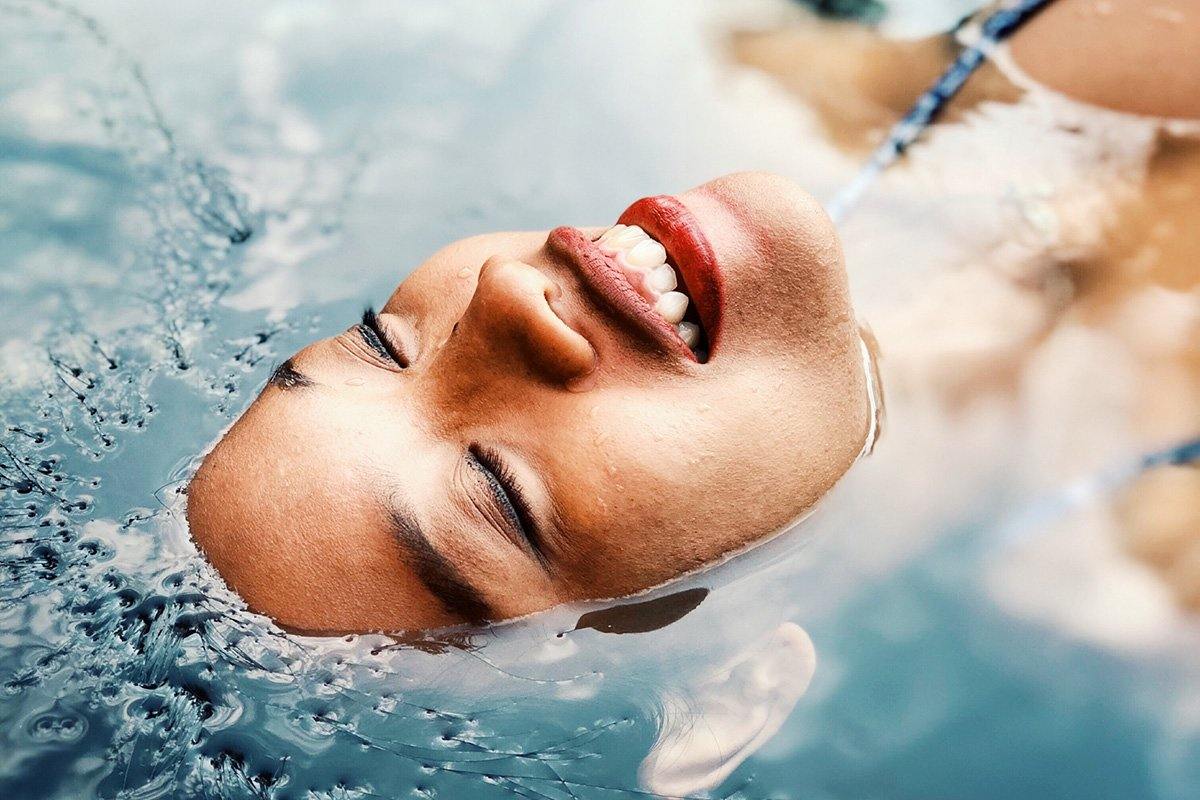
1139	56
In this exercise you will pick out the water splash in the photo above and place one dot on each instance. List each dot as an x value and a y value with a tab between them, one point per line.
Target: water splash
120	641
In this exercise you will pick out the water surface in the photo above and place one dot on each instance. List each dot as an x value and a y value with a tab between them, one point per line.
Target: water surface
187	195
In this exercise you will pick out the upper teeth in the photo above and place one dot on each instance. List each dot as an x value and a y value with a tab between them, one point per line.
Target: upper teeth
644	262
690	333
672	306
646	254
662	279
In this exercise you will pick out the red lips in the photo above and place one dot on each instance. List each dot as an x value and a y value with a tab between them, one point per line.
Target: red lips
669	222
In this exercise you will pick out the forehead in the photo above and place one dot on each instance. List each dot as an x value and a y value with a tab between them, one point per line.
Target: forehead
306	456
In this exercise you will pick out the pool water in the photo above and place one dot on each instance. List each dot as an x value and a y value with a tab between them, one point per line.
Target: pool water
189	194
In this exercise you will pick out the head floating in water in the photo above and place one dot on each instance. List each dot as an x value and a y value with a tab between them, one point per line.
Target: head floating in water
534	418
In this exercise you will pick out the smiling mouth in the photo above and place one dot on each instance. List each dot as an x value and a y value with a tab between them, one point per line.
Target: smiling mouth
644	263
655	268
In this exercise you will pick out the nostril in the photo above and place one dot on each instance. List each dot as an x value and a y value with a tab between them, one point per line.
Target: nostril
521	313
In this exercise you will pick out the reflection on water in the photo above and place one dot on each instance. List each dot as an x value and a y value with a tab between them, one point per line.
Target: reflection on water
187	195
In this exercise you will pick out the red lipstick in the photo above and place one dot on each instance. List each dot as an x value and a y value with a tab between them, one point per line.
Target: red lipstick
669	221
604	281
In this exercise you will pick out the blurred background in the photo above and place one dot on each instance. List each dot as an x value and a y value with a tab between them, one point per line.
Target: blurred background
189	191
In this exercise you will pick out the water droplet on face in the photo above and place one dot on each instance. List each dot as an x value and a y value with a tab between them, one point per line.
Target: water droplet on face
464	273
355	382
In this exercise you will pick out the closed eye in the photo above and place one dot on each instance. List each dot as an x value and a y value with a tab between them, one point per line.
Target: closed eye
510	499
375	337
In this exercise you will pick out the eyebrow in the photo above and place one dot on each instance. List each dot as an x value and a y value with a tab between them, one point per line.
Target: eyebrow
456	594
286	376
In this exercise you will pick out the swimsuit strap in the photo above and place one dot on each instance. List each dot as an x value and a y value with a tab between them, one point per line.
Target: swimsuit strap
996	28
1075	495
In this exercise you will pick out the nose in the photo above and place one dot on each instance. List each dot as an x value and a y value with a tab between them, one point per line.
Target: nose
511	326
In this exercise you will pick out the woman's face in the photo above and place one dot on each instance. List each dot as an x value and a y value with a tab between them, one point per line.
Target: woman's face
522	424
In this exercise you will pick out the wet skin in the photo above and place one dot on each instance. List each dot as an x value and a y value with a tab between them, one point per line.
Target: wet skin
509	442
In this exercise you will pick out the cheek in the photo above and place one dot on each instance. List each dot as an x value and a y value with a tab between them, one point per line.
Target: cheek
733	453
653	482
630	468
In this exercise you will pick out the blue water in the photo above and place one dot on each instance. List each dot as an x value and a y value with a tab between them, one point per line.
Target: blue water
187	194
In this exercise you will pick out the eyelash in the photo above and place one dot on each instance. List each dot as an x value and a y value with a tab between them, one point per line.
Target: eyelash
373	335
508	493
